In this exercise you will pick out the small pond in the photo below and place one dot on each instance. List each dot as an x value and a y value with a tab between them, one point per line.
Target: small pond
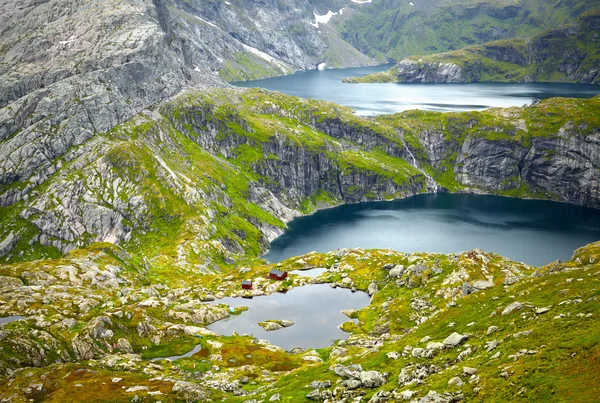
310	273
315	309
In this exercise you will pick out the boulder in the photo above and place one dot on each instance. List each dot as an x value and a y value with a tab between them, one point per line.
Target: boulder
479	285
351	384
372	379
515	306
455	339
469	371
397	271
492	330
372	288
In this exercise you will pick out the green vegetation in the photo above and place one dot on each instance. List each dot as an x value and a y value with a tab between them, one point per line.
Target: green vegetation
569	53
194	192
388	29
247	66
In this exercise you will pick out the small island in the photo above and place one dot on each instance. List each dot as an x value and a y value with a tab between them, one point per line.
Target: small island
270	325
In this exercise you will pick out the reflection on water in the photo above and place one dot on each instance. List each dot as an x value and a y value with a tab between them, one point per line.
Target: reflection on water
388	98
314	309
532	231
309	273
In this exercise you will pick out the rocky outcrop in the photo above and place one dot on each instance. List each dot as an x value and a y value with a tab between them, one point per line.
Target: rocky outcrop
420	71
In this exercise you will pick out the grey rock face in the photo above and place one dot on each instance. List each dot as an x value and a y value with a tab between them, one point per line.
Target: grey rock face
411	71
372	379
73	68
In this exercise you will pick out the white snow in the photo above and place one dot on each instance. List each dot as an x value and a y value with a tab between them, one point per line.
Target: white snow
265	56
321	66
411	3
207	22
362	1
322	19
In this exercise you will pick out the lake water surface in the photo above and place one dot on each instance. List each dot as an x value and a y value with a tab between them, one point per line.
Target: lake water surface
315	309
387	98
532	231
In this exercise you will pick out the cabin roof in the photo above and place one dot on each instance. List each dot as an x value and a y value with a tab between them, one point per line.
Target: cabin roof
276	272
246	282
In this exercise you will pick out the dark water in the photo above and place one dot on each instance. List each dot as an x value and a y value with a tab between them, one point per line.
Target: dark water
532	231
9	319
315	309
377	99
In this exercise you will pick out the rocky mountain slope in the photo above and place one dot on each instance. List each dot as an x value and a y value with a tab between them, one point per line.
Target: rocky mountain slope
569	53
212	176
129	199
72	68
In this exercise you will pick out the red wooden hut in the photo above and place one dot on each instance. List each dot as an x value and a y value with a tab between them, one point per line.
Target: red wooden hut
278	274
247	285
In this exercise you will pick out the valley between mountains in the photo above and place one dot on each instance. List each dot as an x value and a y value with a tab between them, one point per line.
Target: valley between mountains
138	188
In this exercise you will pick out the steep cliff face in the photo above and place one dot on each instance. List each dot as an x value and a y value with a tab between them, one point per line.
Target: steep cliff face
565	54
211	177
545	150
73	68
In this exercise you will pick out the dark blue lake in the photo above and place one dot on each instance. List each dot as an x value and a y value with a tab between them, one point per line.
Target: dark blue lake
532	231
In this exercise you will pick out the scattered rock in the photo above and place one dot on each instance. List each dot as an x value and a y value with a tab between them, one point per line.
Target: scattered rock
455	339
270	325
491	330
397	271
469	371
372	379
515	306
373	288
456	381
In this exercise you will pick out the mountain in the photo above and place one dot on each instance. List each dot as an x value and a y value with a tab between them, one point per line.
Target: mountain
72	68
137	187
569	53
394	30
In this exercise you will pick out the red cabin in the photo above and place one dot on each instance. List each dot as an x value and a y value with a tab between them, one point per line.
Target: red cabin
278	274
247	285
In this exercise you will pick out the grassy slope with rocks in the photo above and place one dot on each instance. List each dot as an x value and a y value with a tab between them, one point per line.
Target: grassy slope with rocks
523	333
194	190
565	54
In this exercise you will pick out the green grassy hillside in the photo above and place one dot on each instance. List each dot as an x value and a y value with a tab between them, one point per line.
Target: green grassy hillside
389	29
569	53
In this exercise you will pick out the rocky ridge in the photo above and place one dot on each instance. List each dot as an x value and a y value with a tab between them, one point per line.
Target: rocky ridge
233	166
72	69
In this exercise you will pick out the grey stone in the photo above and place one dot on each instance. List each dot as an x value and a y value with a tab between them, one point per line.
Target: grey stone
515	306
455	339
